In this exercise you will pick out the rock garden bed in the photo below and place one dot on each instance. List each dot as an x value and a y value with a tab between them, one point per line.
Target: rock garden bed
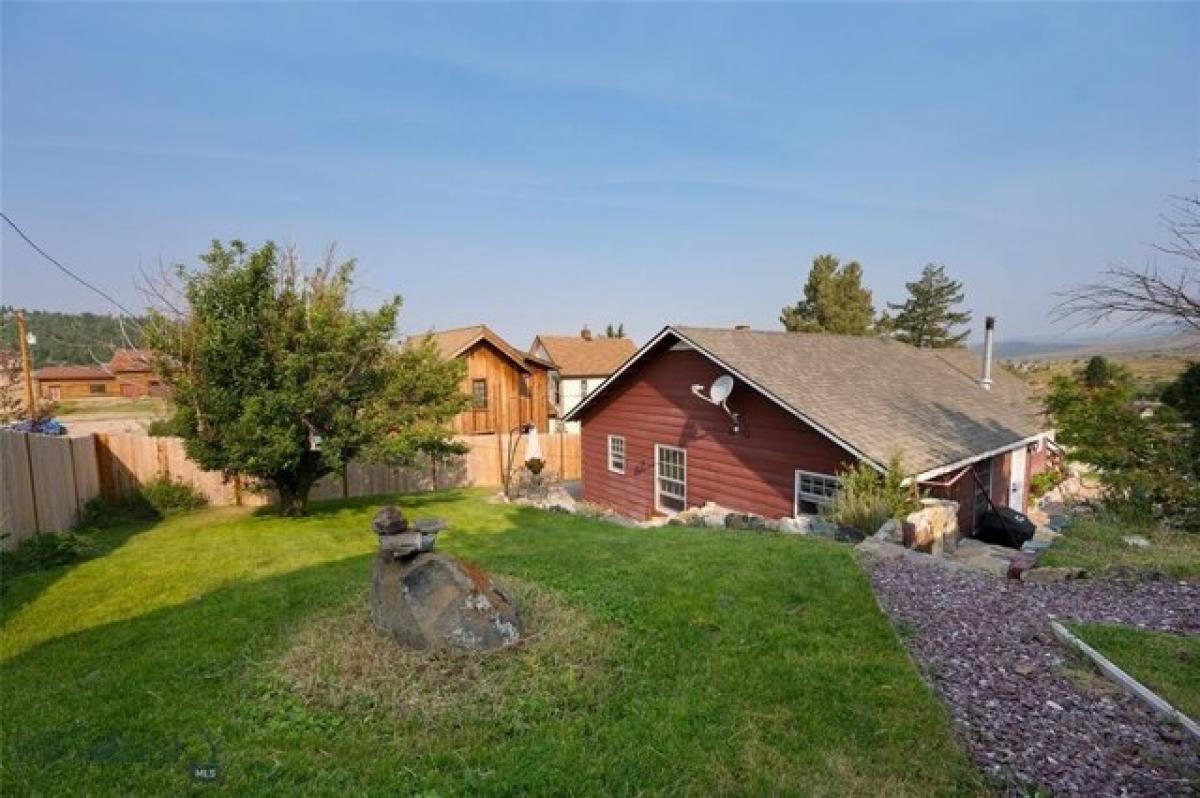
1031	715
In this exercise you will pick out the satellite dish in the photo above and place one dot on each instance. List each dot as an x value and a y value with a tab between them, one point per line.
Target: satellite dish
721	388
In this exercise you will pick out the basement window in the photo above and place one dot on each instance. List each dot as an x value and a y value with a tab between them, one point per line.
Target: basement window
814	491
616	454
670	478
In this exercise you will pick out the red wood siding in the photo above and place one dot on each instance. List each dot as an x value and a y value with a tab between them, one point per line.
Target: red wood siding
752	471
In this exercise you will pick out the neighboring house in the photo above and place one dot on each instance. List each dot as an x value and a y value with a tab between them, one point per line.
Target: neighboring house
507	386
130	373
807	406
581	362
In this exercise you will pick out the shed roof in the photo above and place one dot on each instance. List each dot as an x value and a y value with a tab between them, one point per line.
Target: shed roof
452	343
576	356
873	396
72	373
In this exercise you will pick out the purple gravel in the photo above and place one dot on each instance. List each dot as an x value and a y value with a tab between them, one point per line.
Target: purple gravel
987	646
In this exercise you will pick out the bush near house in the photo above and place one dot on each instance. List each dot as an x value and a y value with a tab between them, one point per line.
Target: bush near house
866	498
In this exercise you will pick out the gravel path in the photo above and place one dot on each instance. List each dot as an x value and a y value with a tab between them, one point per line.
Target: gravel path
987	646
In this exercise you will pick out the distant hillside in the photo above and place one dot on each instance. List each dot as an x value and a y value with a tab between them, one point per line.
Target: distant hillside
70	338
1179	344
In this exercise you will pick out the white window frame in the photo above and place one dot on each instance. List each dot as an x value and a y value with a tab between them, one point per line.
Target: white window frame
612	460
659	448
815	498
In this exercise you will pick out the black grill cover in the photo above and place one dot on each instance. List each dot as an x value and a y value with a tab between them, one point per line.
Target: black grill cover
1004	526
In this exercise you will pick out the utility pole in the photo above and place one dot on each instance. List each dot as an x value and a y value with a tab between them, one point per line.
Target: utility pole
26	368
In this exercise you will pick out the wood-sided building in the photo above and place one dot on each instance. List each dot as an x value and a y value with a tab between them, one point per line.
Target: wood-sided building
129	374
508	387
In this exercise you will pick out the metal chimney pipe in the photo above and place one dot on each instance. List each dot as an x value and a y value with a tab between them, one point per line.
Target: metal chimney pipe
989	328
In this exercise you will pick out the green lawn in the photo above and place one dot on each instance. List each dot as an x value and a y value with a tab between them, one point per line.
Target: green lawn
690	662
1098	546
1167	664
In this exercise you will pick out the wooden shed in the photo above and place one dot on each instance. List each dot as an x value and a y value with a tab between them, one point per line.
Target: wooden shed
508	387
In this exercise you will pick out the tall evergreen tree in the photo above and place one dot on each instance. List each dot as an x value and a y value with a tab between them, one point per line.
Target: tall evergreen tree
927	318
835	301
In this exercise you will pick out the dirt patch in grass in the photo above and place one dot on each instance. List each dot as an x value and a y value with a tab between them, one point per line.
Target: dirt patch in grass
339	661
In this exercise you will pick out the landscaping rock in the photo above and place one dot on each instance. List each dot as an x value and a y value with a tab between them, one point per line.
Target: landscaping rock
933	528
735	521
389	521
891	530
795	526
848	534
429	601
1136	542
823	526
1049	574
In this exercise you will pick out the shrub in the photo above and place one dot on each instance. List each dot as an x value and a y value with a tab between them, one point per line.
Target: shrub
866	499
163	428
43	551
1045	481
154	499
167	496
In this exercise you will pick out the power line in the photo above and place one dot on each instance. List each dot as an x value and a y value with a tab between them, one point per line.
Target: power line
65	270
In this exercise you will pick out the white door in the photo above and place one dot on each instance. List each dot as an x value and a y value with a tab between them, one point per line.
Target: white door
1016	488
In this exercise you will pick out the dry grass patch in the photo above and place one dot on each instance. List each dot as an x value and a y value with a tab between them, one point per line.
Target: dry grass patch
339	661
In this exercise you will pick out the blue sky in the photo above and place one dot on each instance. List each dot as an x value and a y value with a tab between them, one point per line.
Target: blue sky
537	167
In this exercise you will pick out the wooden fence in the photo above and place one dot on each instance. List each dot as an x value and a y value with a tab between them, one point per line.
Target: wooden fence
48	480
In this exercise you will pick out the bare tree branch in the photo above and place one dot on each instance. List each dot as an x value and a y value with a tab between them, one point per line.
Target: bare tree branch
1154	296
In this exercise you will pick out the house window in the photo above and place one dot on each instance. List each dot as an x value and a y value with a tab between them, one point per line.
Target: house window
670	478
479	394
525	378
616	454
556	390
813	491
98	387
583	389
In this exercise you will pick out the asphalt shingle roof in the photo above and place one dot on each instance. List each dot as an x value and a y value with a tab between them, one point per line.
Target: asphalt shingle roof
881	396
575	356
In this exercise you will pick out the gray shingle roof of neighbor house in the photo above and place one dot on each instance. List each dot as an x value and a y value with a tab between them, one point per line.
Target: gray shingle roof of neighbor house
874	396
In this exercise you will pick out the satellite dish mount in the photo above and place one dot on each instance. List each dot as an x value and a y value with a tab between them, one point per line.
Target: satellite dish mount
718	395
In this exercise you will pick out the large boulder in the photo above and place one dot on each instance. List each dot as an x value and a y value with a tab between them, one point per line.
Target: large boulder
429	601
933	528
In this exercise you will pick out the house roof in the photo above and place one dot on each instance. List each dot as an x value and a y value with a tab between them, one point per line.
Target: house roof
576	356
873	396
131	360
72	373
452	343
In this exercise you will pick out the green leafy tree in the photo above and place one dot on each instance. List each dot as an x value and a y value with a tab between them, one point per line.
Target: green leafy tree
1144	460
276	377
1100	371
835	301
927	318
1183	395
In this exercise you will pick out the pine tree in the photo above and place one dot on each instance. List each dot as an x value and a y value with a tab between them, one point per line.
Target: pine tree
835	301
927	318
615	332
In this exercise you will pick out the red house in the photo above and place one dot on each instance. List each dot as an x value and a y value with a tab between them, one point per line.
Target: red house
801	407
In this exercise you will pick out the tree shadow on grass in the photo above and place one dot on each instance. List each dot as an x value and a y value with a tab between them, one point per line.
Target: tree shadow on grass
123	707
406	501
